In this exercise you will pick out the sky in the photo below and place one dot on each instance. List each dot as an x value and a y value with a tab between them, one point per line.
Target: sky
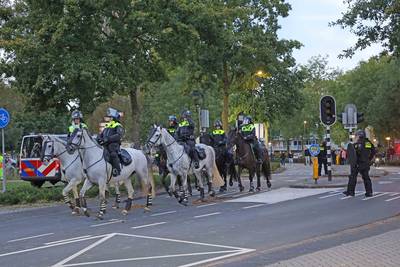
308	23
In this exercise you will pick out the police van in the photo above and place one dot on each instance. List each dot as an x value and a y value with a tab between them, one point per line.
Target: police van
31	167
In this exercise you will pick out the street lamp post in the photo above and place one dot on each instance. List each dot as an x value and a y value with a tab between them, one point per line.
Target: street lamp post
388	141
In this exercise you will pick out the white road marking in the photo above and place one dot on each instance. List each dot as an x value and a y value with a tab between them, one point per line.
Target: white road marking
240	252
110	220
291	180
47	246
107	223
394	194
207	205
385	182
151	258
66	240
227	194
163	213
375	196
332	195
355	195
206	215
280	195
29	237
253	206
147	225
98	242
391	199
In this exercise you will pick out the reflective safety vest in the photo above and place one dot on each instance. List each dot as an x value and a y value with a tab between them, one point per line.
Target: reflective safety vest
183	123
171	130
368	145
218	132
248	128
76	126
113	124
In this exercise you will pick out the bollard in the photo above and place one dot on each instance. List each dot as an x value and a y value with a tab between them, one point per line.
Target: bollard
315	169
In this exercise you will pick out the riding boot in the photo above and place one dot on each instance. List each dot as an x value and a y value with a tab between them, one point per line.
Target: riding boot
116	166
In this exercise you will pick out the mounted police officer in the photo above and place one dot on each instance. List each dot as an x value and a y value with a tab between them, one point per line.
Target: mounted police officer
111	138
185	135
77	122
248	131
364	152
172	124
218	136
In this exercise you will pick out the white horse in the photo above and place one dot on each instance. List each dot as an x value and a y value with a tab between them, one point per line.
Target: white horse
98	171
180	164
70	165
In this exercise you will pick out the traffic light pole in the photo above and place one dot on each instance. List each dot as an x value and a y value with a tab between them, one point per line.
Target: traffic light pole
328	152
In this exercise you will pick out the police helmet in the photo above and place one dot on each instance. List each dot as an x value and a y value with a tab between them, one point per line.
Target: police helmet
113	113
217	123
172	118
247	120
361	134
186	114
76	114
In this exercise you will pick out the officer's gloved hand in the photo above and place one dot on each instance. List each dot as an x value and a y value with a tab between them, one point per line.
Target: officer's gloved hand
100	141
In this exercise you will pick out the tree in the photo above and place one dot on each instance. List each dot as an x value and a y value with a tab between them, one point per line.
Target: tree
373	21
241	39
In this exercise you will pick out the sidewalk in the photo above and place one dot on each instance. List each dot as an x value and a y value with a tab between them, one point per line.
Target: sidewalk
303	175
380	250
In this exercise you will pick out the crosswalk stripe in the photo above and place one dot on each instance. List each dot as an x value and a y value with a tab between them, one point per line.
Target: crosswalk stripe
331	195
377	195
391	199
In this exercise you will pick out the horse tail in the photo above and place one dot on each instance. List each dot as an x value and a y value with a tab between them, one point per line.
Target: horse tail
217	179
266	168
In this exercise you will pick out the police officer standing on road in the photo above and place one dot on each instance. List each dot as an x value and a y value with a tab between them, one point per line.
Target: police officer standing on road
322	160
365	152
111	138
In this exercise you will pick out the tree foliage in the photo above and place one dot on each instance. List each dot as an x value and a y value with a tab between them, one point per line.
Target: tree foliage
373	21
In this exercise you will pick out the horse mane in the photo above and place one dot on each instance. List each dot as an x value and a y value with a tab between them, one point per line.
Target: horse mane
91	138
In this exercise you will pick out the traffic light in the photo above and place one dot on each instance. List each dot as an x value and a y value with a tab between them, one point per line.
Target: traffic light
360	117
328	110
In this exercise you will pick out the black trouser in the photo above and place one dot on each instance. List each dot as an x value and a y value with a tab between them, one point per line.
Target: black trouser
113	149
351	186
192	150
320	163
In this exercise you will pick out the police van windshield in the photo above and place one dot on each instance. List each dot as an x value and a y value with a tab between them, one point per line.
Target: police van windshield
32	145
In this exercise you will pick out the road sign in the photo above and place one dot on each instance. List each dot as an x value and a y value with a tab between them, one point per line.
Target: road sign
4	118
327	110
314	150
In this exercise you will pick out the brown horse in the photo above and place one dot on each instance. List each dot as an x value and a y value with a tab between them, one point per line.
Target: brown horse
246	159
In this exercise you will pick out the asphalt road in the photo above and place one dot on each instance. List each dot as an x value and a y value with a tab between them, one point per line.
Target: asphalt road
235	229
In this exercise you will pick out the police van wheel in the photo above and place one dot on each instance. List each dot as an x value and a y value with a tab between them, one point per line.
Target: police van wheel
37	184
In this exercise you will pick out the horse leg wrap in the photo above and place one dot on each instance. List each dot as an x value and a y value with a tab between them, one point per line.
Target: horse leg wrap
103	206
68	202
149	200
118	198
128	204
201	193
77	202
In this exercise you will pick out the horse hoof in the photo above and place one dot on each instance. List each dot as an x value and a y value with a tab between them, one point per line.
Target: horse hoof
211	193
269	184
258	189
230	183
100	216
86	212
124	212
75	211
147	209
251	189
241	188
115	206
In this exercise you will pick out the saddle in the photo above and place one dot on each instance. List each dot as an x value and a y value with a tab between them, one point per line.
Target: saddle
124	157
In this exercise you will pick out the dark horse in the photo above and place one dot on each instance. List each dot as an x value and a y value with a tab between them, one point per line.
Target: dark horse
223	159
246	159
